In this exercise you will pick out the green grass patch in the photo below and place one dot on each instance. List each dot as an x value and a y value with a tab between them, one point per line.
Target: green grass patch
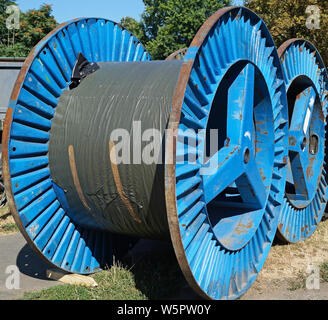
151	277
298	283
10	227
324	272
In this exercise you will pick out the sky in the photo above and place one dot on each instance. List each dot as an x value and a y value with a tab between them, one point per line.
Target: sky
65	10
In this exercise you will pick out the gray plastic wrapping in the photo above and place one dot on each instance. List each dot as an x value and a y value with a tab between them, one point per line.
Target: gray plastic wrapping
113	97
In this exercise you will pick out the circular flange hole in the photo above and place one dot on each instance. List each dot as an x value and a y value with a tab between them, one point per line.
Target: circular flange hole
246	156
314	144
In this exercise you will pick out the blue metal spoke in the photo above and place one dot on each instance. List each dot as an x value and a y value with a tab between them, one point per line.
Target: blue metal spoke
251	187
303	111
219	175
301	182
299	145
240	106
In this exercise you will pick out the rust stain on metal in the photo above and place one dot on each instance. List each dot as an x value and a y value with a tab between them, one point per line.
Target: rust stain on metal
75	176
262	174
227	158
118	183
285	160
292	141
243	228
309	170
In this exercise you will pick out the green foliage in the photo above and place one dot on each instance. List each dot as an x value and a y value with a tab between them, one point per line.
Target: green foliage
169	25
287	19
324	272
134	27
34	25
16	50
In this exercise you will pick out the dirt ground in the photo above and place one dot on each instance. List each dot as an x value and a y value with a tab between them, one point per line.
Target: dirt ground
7	223
288	272
292	271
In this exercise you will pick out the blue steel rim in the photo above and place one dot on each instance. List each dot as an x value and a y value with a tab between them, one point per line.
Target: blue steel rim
298	219
32	198
218	269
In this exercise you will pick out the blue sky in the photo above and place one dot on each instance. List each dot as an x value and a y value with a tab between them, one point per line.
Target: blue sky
64	10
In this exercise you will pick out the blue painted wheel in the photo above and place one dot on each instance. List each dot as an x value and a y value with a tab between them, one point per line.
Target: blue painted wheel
306	187
223	209
33	200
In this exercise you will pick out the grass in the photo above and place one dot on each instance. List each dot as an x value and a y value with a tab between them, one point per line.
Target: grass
324	272
115	284
152	277
8	228
298	283
158	276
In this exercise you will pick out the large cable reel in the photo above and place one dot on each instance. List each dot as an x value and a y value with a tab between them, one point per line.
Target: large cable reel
306	186
219	207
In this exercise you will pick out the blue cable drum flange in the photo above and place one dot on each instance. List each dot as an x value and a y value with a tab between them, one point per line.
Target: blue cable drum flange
34	200
306	185
223	222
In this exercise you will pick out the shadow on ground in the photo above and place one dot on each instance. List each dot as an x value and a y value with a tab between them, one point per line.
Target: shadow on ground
153	264
30	264
156	271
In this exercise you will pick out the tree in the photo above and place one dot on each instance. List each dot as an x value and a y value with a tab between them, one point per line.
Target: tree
134	27
288	19
33	26
169	25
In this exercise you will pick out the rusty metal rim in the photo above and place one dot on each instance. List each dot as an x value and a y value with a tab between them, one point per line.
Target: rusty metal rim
281	52
170	156
176	53
288	43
